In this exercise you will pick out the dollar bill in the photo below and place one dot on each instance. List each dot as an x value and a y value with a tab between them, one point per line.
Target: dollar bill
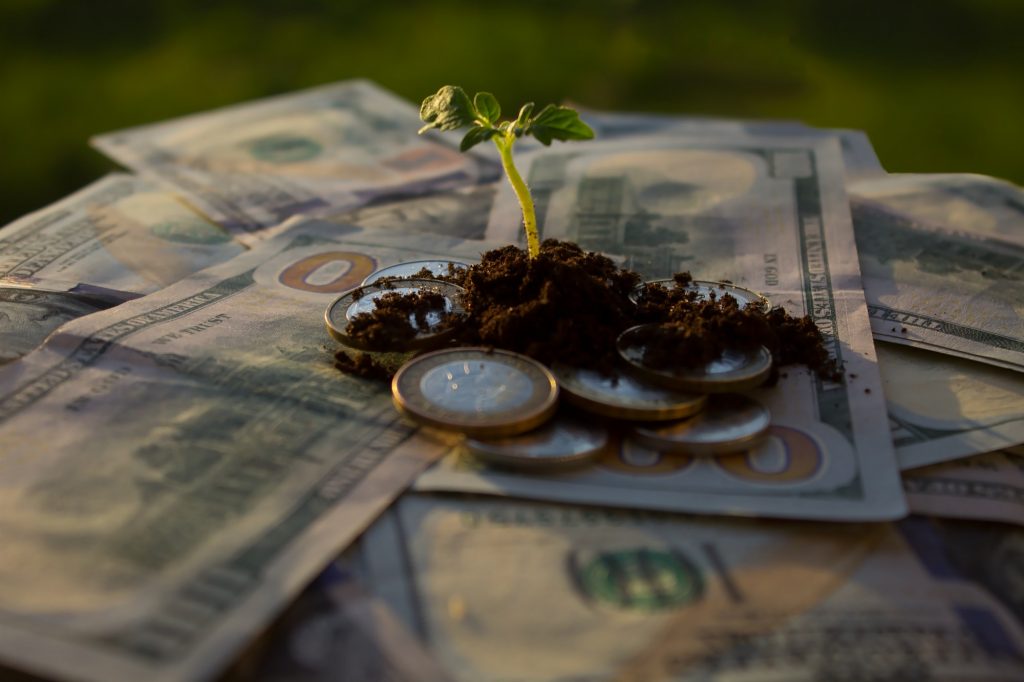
517	592
121	237
209	461
461	212
943	407
334	147
943	264
988	487
977	204
859	157
28	316
767	214
337	632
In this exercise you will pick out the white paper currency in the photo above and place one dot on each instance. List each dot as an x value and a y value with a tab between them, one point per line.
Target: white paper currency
943	407
336	632
461	212
967	202
316	151
121	236
209	460
987	487
515	592
943	263
859	158
768	214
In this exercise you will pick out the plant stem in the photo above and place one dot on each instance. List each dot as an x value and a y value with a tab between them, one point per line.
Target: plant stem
504	145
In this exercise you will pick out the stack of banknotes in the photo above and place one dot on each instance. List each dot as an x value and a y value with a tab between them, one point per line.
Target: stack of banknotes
190	491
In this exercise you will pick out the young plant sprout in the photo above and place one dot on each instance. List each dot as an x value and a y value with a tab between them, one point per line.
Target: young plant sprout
450	108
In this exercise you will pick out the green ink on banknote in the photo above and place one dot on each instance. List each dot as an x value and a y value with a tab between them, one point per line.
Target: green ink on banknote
639	579
189	231
284	148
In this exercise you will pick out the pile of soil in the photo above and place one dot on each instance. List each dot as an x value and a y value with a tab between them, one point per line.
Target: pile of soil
569	306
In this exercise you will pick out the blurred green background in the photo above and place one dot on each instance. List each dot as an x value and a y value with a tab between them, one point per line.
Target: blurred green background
939	86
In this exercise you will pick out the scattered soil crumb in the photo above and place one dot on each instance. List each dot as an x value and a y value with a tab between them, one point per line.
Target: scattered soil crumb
361	365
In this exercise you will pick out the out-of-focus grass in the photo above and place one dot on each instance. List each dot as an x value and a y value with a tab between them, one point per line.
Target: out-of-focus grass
937	85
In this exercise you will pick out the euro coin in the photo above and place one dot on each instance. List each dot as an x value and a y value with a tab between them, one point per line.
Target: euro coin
414	269
706	289
431	333
732	371
622	396
478	391
563	442
728	423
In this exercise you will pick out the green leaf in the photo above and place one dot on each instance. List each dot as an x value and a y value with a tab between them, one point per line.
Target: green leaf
475	136
558	123
487	106
447	109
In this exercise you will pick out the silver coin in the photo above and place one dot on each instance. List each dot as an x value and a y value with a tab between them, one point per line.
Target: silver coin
412	268
363	300
562	442
477	391
622	396
733	370
728	423
704	288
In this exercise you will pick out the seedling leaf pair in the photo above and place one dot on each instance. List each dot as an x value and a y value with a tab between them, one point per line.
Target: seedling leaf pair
450	108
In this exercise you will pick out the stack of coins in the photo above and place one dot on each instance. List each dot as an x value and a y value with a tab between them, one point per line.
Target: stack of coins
506	405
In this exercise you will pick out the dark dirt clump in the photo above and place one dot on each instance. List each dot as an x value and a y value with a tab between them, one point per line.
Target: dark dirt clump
361	365
692	331
568	305
388	325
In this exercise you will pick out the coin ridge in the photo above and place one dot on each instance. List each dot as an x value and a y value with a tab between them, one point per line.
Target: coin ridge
368	282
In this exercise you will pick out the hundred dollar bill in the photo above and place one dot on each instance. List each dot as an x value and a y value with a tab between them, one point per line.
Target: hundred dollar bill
334	147
968	202
524	592
943	407
987	487
859	157
461	212
175	469
121	237
28	316
943	264
336	632
769	215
